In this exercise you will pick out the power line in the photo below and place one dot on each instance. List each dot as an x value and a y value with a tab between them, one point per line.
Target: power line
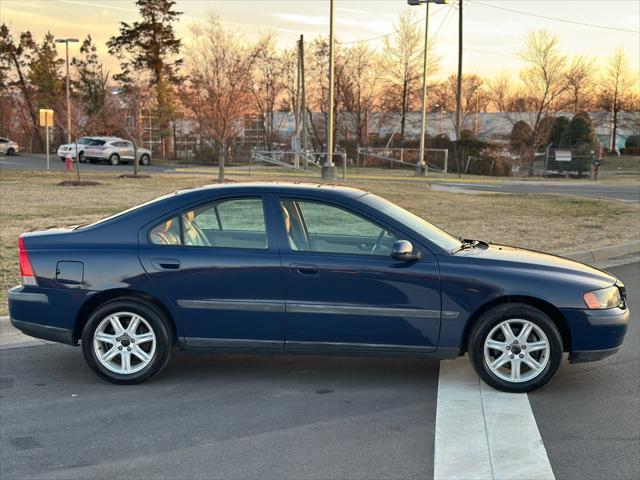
364	40
557	19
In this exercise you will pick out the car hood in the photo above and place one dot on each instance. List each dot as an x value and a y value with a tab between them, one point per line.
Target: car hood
503	256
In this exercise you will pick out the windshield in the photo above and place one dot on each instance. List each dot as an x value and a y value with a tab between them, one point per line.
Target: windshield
84	140
415	223
97	143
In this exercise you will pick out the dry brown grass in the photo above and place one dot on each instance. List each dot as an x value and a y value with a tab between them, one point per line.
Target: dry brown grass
553	223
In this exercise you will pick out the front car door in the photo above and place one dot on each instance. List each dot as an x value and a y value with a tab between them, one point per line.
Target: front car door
219	265
344	292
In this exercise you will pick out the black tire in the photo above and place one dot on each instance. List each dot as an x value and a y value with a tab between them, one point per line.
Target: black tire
114	159
498	314
81	157
11	152
144	160
158	322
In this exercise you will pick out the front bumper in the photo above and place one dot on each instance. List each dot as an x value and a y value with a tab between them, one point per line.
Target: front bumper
596	334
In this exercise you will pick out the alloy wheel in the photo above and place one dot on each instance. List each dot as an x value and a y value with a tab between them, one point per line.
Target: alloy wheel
124	343
516	350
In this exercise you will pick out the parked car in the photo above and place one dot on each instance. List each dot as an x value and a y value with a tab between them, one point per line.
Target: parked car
8	147
115	151
278	268
83	142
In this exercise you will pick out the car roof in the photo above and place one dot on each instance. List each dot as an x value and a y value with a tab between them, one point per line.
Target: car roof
284	187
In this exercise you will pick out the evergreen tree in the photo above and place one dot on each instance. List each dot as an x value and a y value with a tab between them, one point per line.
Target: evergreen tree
91	82
150	45
580	134
558	128
44	73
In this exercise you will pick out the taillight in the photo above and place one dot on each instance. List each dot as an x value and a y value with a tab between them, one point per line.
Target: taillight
26	270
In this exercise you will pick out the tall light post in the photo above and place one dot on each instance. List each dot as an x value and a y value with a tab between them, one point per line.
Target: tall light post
421	167
67	41
456	153
329	168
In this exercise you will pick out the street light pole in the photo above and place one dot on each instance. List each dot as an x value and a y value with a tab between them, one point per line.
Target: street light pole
66	42
421	167
456	153
329	169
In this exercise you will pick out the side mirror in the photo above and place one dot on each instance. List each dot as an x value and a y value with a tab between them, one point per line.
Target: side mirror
403	250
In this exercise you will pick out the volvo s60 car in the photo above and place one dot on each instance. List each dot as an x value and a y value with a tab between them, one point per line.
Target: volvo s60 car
286	268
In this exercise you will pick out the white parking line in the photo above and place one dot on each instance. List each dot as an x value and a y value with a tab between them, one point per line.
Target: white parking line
482	433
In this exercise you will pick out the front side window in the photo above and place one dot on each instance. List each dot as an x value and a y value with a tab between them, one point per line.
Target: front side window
320	227
233	223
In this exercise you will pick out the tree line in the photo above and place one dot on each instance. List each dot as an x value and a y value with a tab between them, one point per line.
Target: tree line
216	76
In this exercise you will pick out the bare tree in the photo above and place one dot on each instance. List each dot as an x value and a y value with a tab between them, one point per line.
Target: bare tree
580	81
220	68
616	90
268	85
402	61
359	86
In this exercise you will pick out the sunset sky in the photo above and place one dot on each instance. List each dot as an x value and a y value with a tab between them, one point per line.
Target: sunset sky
492	34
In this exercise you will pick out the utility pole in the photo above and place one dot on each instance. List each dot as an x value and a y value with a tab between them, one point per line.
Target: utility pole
303	103
329	169
456	153
421	167
66	42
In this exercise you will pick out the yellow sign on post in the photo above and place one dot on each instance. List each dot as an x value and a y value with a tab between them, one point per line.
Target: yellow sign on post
46	117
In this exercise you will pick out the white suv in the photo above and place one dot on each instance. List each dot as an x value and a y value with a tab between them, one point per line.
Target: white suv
70	148
7	147
115	151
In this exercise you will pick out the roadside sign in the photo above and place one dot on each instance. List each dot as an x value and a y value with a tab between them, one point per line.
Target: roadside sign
46	117
563	155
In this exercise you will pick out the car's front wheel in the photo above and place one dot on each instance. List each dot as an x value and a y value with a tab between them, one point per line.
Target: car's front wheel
515	347
114	159
126	341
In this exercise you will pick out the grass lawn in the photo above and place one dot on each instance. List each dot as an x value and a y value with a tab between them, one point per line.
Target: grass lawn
552	223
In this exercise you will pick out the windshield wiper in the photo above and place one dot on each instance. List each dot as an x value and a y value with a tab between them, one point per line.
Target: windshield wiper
467	244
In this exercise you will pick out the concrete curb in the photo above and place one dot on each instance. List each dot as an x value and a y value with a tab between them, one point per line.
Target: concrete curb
606	253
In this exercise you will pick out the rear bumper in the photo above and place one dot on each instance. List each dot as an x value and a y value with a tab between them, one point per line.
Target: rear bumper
27	306
45	332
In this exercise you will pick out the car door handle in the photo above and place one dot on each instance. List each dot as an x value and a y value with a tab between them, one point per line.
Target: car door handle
165	264
305	268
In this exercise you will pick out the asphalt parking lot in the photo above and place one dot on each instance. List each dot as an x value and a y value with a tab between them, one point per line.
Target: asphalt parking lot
298	417
39	162
625	193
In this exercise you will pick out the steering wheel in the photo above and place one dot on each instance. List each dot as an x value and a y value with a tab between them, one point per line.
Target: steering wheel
379	240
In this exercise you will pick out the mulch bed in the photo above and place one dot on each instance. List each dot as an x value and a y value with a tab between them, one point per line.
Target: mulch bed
81	183
131	175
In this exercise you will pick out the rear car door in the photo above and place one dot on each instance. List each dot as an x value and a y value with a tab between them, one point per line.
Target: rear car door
219	264
343	289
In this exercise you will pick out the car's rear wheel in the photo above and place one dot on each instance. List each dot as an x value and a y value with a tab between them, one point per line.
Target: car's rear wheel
515	347
144	160
126	341
11	151
114	159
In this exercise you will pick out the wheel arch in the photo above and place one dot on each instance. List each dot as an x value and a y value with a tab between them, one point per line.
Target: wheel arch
119	293
550	310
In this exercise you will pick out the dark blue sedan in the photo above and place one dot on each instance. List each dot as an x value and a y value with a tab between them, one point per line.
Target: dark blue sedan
307	269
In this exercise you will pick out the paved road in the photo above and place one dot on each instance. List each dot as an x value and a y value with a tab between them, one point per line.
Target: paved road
293	417
39	162
627	193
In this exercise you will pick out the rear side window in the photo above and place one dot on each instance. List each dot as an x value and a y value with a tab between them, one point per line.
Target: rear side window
231	223
166	233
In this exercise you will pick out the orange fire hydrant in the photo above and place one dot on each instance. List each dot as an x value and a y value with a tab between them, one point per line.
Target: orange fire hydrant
68	163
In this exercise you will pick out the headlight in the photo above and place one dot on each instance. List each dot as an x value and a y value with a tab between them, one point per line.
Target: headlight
604	298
